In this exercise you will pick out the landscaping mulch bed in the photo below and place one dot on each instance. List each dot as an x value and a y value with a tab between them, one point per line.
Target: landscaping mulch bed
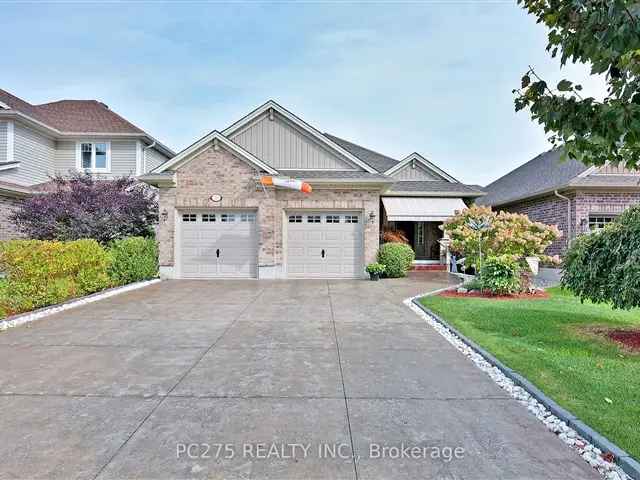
628	338
538	295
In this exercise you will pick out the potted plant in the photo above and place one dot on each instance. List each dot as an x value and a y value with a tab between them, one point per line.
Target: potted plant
375	270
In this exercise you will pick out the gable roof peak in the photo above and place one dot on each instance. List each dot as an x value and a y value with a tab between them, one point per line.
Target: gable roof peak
216	138
415	156
300	124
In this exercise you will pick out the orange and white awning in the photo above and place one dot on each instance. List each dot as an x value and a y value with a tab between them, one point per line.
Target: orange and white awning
421	209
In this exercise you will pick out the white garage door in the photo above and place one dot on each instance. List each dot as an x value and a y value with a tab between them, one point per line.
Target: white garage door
324	244
218	244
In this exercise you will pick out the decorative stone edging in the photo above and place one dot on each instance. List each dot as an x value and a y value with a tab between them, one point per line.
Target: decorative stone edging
23	318
588	443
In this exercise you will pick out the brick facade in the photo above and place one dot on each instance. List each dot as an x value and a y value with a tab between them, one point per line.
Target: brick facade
8	230
553	211
220	172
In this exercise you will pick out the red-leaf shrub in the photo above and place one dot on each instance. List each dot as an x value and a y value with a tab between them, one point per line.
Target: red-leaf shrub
81	206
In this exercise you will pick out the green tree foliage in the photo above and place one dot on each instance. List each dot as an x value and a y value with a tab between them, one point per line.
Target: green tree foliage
604	266
604	34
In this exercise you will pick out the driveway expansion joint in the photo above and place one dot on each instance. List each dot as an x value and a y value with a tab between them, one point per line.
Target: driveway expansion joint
163	398
346	401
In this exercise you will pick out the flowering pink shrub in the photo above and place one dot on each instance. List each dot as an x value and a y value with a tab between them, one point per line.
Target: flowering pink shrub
509	234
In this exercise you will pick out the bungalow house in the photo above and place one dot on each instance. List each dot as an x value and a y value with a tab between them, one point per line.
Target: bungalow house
218	220
567	193
38	141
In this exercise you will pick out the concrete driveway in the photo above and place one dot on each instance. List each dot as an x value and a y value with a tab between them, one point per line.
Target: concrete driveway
260	379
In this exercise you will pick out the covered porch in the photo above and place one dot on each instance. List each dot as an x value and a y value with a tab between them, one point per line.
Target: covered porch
420	219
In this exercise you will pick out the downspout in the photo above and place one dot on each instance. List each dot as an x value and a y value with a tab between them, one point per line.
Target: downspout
568	214
144	156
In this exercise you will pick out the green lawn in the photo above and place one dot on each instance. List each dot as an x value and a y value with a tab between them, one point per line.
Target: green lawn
550	343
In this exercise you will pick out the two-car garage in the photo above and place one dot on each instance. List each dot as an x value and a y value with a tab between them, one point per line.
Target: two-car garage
224	244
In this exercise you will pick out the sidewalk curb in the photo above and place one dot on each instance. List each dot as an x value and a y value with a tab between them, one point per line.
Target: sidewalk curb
630	466
22	318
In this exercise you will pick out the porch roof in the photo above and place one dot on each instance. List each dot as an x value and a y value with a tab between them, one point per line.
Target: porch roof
421	209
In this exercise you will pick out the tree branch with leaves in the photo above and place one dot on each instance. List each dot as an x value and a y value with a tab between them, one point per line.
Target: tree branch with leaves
604	34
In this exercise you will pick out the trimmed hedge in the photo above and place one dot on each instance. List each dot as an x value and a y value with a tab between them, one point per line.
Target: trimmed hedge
133	260
397	259
41	273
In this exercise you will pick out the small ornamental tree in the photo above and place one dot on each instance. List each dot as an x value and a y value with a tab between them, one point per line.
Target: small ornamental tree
81	206
510	234
604	266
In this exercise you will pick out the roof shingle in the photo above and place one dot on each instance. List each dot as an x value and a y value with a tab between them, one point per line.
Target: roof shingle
72	116
544	173
380	162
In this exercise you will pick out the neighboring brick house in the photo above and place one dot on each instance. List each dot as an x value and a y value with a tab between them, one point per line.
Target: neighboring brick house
218	221
569	194
38	141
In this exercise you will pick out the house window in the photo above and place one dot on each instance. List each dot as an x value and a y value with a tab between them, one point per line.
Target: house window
597	222
227	217
248	217
94	156
189	217
333	218
313	219
208	217
350	219
295	218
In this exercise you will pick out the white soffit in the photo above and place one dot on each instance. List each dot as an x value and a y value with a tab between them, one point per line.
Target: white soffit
421	209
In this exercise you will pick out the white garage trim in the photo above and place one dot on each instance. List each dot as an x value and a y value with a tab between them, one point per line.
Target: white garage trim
323	243
211	244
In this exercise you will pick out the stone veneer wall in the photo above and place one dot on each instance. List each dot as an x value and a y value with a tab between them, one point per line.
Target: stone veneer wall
553	211
220	172
8	230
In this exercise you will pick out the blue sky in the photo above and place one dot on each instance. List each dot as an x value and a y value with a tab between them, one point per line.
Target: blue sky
397	77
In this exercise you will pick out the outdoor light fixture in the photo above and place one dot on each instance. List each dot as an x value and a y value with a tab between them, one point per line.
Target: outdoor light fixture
372	216
164	215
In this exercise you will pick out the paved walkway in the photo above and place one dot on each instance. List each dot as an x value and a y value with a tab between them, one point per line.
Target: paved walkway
301	372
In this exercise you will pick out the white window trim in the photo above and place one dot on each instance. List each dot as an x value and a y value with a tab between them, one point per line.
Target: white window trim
140	159
107	169
11	136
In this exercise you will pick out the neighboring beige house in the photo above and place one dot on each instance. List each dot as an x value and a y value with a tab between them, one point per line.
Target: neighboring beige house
217	220
37	141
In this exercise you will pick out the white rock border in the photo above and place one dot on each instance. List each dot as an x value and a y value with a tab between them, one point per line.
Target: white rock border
569	436
28	317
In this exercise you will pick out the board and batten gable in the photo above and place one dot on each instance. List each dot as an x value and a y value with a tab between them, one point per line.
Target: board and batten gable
3	142
415	172
36	154
280	144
